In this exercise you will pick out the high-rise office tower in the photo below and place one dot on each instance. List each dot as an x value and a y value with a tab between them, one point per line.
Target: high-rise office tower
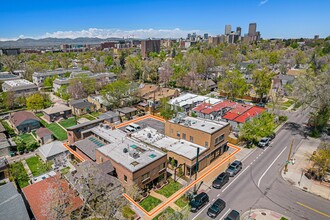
188	36
252	29
227	29
206	36
239	31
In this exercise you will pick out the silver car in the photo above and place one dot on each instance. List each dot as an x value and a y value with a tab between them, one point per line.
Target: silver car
234	168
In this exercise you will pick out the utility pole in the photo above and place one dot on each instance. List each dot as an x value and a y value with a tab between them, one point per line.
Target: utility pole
289	156
196	170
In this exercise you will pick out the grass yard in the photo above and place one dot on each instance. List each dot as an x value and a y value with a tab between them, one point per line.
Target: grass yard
170	188
9	129
127	212
18	172
95	114
149	203
68	122
58	132
39	114
168	210
89	117
65	170
27	138
182	202
37	166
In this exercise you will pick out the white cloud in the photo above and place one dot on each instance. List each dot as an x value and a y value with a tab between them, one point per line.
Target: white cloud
262	2
113	32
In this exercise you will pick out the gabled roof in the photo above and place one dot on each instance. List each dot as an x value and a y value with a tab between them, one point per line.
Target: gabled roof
81	104
12	205
236	111
41	193
52	149
57	108
18	117
252	112
2	129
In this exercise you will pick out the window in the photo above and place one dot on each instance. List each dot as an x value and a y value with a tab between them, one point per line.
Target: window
125	178
145	176
219	139
184	136
101	159
192	139
206	144
178	134
162	166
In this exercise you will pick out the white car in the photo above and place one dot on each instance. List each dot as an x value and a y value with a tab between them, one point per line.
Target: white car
129	129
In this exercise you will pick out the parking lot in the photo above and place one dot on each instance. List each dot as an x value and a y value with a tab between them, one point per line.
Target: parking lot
150	122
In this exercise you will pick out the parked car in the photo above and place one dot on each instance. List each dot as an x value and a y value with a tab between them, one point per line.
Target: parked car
233	215
199	201
129	129
234	168
264	142
272	136
216	208
135	126
221	180
260	104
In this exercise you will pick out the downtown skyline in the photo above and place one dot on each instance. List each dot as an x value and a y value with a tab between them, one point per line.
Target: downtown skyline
160	19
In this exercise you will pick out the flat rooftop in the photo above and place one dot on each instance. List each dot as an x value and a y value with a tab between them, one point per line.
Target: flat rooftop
131	154
19	82
181	147
199	124
189	99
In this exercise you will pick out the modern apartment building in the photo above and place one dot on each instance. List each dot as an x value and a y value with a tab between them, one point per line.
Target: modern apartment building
20	87
39	77
148	46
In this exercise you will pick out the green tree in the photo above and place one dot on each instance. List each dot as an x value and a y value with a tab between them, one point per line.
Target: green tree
273	58
108	61
10	63
321	159
261	126
48	82
165	109
35	102
8	99
233	84
300	58
262	82
115	91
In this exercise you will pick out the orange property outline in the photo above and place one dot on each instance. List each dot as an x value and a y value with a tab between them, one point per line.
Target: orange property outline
139	119
187	187
73	152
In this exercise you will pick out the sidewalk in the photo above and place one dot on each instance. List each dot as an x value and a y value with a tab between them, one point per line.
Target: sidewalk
295	175
262	214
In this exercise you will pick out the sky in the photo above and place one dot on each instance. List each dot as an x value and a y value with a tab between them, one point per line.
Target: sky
161	18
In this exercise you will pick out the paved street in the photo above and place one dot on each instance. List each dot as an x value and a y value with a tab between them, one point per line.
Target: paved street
260	185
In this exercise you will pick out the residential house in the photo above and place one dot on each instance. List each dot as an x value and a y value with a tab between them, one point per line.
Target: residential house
44	135
39	195
6	76
4	166
110	117
56	112
152	94
52	150
24	121
127	112
279	83
20	87
100	103
81	107
12	205
6	145
39	77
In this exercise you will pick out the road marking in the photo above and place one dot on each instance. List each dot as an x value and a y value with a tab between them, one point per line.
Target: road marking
315	210
218	195
201	211
235	178
270	166
213	200
223	217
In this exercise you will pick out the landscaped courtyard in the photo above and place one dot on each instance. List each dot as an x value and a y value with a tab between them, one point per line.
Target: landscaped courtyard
164	214
28	138
182	202
170	188
149	203
37	166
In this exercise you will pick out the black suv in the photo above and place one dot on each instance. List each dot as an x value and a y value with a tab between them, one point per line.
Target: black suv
199	201
233	215
221	180
234	168
216	208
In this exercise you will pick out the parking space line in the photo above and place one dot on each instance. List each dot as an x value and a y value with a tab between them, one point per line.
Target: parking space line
218	195
200	211
235	178
222	217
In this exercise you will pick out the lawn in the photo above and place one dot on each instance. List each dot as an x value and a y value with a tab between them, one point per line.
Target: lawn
168	210
9	129
36	166
89	117
27	138
169	189
59	133
39	115
95	114
68	122
182	202
128	213
65	170
19	174
149	203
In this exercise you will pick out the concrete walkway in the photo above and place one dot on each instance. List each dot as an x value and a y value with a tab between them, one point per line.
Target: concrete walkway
262	214
295	175
21	157
27	169
178	179
163	198
61	126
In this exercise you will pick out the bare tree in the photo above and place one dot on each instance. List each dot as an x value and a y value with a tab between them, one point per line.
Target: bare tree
11	63
166	73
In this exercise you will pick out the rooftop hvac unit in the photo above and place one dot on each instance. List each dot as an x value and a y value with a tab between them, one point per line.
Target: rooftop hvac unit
125	150
149	135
